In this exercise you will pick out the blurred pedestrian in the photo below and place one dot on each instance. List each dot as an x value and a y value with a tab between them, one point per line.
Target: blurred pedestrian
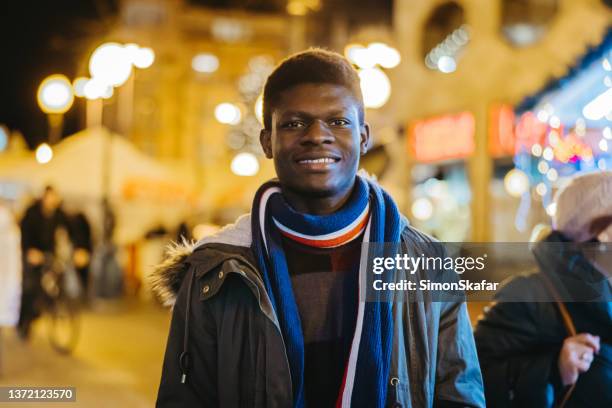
557	352
10	268
38	229
80	236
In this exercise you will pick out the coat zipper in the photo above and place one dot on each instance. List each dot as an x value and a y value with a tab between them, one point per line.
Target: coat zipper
395	386
258	296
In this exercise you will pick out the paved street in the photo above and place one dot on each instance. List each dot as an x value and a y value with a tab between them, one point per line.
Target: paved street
116	364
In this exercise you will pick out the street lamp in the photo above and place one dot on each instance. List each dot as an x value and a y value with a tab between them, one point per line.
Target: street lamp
111	64
55	96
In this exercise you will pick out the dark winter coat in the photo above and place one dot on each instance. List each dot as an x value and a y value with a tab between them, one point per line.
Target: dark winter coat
236	357
519	342
38	231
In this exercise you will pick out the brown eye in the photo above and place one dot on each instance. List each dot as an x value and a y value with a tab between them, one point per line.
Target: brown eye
339	122
294	124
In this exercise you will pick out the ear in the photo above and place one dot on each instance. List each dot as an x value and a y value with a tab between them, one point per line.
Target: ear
265	138
364	143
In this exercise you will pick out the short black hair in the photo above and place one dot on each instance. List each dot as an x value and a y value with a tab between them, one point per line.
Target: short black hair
317	66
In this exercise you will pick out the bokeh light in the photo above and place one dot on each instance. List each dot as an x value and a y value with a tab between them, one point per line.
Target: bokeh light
111	64
422	209
44	153
96	89
143	58
245	164
447	64
55	94
4	136
79	86
375	86
205	63
385	56
259	109
551	209
516	183
228	113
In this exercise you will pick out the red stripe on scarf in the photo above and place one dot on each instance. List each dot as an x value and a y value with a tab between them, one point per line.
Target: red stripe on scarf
332	242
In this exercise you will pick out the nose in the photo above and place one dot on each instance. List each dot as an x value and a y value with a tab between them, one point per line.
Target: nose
317	133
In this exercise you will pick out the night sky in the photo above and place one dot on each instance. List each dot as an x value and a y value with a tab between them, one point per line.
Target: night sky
39	38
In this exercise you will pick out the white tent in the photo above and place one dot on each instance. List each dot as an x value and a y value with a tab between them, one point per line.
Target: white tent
79	163
143	192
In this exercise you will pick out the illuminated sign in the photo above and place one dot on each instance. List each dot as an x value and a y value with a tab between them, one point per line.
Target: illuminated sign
502	139
442	138
529	131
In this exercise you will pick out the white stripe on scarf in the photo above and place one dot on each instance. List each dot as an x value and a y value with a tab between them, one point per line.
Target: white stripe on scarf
331	235
352	361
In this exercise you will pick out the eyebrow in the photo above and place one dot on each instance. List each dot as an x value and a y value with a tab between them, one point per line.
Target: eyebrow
339	112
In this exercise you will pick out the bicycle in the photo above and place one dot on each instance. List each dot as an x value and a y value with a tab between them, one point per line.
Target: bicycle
59	305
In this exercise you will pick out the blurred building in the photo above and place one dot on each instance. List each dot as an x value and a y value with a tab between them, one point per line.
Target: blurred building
440	147
465	65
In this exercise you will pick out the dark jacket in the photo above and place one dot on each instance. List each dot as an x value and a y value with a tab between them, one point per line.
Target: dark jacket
519	342
80	231
236	357
37	230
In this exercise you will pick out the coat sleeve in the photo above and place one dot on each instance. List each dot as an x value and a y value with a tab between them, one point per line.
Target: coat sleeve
200	387
28	231
519	365
458	377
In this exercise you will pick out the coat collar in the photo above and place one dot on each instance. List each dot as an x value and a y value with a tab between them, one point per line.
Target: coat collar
233	240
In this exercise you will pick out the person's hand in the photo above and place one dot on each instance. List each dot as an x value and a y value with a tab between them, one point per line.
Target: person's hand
576	356
80	258
35	257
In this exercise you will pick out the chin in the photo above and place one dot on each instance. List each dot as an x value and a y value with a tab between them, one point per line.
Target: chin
315	189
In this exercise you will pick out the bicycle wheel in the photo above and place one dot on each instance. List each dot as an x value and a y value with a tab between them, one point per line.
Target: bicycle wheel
64	325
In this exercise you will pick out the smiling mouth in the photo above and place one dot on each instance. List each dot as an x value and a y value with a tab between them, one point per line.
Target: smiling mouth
322	160
318	164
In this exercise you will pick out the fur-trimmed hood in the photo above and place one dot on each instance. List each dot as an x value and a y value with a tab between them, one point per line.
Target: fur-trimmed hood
167	277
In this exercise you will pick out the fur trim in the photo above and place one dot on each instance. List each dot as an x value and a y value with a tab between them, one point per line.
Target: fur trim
167	277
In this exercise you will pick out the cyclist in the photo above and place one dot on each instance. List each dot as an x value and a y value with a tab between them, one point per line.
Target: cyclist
38	229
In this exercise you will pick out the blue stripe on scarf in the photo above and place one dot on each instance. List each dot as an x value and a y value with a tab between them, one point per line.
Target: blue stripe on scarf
374	354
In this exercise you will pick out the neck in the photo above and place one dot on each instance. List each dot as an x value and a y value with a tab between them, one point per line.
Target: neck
309	204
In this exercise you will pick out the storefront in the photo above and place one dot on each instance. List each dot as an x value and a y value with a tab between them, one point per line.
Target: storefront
563	130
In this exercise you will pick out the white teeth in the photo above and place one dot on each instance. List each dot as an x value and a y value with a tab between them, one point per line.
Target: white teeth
323	160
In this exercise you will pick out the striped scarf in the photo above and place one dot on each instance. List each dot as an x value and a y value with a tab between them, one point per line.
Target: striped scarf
370	208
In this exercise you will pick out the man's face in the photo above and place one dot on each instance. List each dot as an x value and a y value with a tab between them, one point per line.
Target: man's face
316	139
50	201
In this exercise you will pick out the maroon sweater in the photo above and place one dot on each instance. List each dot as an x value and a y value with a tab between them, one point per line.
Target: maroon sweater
325	287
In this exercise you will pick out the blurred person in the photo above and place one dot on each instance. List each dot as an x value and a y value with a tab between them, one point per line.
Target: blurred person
10	268
557	353
267	312
107	273
80	236
38	230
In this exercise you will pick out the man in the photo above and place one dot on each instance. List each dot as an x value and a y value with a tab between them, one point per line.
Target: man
531	354
267	312
38	229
